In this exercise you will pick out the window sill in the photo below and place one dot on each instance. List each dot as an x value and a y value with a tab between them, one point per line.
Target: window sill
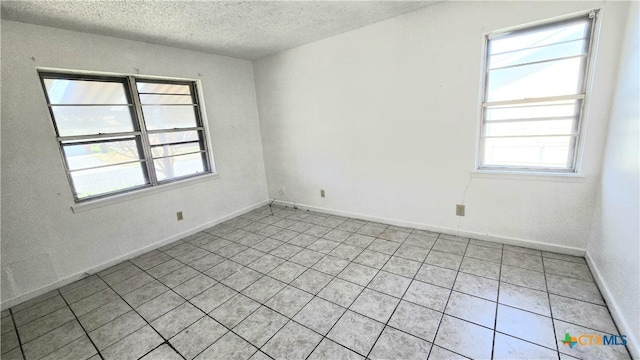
529	176
94	204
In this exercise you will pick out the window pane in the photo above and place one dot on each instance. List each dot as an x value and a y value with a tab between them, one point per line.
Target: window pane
178	149
90	120
94	182
546	127
166	99
538	54
82	156
536	110
540	36
184	165
169	117
174	137
562	77
62	91
549	152
162	88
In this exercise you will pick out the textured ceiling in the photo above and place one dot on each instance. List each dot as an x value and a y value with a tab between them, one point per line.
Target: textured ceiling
244	29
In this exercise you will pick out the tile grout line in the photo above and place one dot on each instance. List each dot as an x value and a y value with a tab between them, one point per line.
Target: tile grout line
17	334
81	326
435	336
495	318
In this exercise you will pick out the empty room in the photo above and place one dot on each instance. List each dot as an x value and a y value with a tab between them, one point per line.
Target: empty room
320	180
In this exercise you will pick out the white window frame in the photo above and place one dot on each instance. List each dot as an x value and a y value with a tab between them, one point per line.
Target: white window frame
129	82
584	96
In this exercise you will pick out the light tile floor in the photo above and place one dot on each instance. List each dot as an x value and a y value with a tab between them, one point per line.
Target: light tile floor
301	285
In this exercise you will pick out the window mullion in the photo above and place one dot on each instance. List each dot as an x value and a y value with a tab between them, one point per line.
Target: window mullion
146	148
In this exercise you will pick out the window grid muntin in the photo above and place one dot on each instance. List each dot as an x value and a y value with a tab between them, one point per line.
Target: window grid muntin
580	97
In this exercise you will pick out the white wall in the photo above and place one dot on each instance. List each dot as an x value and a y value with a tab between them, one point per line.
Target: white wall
614	245
384	118
43	241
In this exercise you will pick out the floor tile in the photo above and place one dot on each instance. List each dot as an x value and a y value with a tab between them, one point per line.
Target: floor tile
483	268
331	350
372	259
9	341
112	332
582	313
473	309
150	259
260	326
330	265
524	298
80	348
370	230
484	253
436	275
289	301
133	283
163	352
224	270
7	324
358	274
230	346
522	260
195	286
213	297
346	252
179	276
293	341
207	262
450	246
159	306
234	311
341	292
551	255
465	338
484	243
121	274
394	344
38	310
45	324
133	346
337	235
307	257
402	267
573	288
412	252
416	320
324	246
375	305
286	251
356	332
507	348
319	315
525	325
266	263
384	246
263	289
438	353
197	337
523	277
477	286
145	293
394	235
85	290
428	295
49	295
93	302
522	250
359	240
51	341
420	240
192	255
390	284
311	281
443	259
177	320
241	279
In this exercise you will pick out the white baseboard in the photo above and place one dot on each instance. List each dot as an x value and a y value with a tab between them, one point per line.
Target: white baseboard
623	325
75	277
444	230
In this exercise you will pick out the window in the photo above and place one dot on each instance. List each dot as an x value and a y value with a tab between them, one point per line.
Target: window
118	134
534	94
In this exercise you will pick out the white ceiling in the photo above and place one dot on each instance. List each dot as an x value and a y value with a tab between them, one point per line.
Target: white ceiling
244	29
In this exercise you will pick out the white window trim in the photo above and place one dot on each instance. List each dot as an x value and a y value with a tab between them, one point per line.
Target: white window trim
89	204
576	174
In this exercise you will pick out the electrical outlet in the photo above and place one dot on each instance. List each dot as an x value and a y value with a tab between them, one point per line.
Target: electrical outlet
179	215
321	193
460	210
